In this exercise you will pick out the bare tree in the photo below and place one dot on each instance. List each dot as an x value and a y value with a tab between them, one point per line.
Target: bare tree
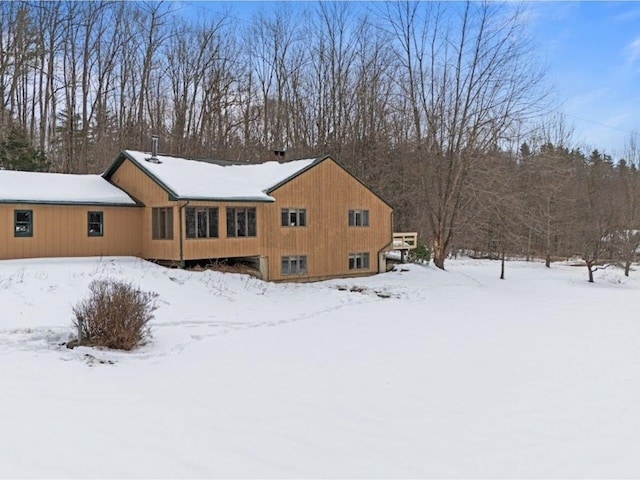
469	74
627	237
595	219
495	228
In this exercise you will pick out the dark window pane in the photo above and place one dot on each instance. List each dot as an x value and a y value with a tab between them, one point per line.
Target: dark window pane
168	223
285	217
241	222
352	262
365	218
285	266
154	224
201	219
95	224
365	260
231	222
162	221
213	222
23	223
303	264
302	218
190	220
352	218
251	222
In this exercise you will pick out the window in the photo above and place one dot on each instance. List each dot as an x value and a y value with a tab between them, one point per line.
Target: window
359	261
162	223
294	217
201	222
358	218
241	222
23	223
95	224
294	265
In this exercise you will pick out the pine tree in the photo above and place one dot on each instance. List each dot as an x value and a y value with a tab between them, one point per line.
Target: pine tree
17	153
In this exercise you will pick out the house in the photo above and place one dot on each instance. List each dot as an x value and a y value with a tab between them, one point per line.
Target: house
300	220
59	215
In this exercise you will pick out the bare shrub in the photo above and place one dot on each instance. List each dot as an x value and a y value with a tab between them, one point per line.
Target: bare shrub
114	315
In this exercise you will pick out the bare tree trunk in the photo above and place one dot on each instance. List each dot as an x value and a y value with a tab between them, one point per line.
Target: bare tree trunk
589	264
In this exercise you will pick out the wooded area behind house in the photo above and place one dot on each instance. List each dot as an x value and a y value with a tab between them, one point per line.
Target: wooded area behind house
441	108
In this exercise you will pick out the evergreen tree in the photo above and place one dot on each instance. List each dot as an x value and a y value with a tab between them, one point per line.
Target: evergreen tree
17	153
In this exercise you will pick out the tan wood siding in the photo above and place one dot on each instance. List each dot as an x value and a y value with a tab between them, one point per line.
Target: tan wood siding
327	192
135	182
62	231
138	184
223	246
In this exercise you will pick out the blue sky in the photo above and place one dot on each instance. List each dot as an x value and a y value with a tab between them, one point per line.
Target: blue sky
592	50
593	53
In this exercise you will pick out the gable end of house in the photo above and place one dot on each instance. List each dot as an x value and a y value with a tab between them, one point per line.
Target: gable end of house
318	161
121	158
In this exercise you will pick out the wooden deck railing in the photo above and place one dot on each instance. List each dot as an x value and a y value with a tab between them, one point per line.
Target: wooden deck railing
405	240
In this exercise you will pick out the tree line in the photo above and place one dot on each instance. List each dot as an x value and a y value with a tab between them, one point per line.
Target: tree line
428	103
556	203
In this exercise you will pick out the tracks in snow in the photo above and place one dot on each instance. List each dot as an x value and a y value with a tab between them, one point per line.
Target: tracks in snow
53	339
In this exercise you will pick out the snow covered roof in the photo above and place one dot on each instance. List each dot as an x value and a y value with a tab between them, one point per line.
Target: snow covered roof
59	188
207	180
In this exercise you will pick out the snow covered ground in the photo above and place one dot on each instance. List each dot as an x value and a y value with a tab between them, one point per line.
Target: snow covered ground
414	373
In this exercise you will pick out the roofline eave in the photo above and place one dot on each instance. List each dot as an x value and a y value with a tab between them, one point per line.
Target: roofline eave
5	201
223	199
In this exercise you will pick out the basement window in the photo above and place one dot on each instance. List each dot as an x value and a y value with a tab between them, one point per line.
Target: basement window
294	217
241	222
358	218
162	223
294	265
201	222
95	224
23	223
359	261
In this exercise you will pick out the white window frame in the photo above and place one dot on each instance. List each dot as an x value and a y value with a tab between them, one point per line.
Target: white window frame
293	217
197	212
293	265
359	261
358	218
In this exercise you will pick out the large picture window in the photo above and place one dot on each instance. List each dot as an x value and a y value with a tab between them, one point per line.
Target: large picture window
359	261
201	222
358	218
294	217
162	223
294	265
241	222
23	223
95	224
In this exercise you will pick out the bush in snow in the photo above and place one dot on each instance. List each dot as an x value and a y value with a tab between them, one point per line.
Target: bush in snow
114	315
421	254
